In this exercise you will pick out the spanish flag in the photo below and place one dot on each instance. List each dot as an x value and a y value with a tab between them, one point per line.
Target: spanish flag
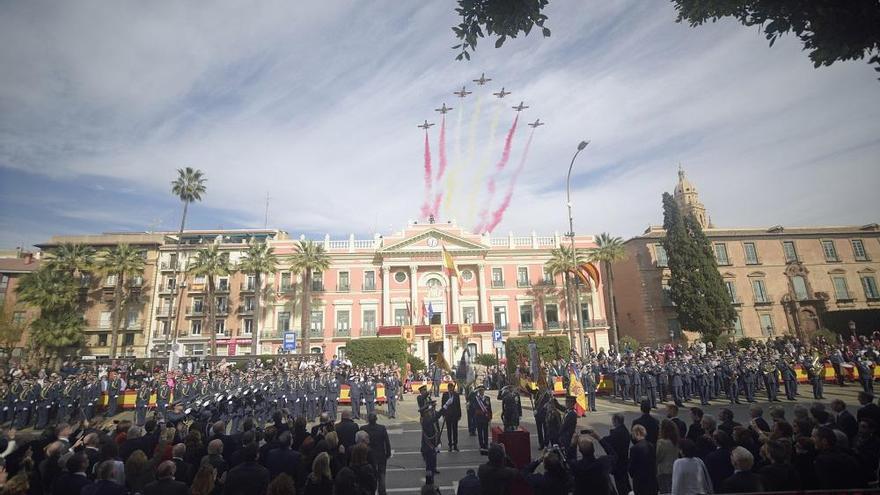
576	390
448	263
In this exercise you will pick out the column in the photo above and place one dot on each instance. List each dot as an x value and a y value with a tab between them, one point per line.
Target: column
481	279
413	295
386	295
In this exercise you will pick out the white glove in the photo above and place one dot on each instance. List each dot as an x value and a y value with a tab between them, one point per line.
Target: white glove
448	402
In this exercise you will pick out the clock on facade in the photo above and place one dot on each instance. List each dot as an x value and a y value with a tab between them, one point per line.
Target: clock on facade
432	242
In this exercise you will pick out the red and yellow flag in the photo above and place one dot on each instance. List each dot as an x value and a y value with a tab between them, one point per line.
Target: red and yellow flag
576	390
448	263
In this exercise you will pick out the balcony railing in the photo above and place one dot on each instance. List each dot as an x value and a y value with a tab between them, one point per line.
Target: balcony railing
369	287
221	289
526	327
343	288
523	283
134	325
342	332
317	286
553	325
316	333
168	266
286	288
368	331
165	312
498	284
195	311
247	287
245	310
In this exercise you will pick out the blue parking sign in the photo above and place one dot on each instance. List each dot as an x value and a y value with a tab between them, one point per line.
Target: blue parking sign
496	335
289	341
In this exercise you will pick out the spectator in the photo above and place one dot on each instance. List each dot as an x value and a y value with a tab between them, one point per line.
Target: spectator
165	483
283	459
106	484
553	481
138	471
718	461
215	458
249	477
282	485
650	423
779	475
689	474
835	469
667	453
672	415
727	424
345	483
619	439
743	480
695	431
380	448
183	473
868	409
320	481
363	470
72	481
706	443
591	475
844	420
642	463
204	481
495	475
346	429
469	485
867	447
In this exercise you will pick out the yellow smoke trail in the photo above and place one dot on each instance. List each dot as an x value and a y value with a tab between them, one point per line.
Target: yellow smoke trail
452	169
480	174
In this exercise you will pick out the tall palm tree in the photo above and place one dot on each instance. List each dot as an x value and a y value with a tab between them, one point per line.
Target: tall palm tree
123	262
609	250
540	292
257	260
309	257
562	262
76	259
211	263
189	188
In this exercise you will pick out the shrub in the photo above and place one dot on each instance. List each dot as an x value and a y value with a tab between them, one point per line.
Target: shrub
830	336
415	363
627	341
746	342
720	342
549	349
371	351
487	359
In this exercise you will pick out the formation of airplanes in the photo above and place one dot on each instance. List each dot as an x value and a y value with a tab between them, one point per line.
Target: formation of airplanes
463	92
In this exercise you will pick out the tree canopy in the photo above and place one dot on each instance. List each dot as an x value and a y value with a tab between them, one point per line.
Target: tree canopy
500	18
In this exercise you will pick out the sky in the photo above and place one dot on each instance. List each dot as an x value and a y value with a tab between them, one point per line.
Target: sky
315	105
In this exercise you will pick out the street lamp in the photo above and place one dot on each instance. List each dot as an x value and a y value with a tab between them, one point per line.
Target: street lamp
852	327
581	146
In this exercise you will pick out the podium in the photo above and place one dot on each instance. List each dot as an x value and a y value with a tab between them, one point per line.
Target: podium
516	443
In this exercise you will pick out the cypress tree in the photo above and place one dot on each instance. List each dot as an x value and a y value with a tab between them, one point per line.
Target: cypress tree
696	287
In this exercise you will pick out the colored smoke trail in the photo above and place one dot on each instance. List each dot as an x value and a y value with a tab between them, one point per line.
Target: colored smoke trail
499	167
480	174
441	168
451	175
426	206
498	214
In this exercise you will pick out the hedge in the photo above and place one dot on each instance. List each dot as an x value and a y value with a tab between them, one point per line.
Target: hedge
549	348
371	351
415	363
487	359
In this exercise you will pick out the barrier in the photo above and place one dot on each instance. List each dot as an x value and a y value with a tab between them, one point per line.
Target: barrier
345	394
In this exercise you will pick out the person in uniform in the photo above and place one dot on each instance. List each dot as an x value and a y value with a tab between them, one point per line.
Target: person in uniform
6	403
45	399
114	385
789	379
24	405
511	407
482	416
815	372
423	396
866	374
354	393
332	396
142	402
430	444
369	395
452	405
771	380
299	403
676	381
436	379
649	380
589	380
392	387
163	395
542	399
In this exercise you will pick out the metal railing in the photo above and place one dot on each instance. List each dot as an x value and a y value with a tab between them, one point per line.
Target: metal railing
498	284
368	287
342	332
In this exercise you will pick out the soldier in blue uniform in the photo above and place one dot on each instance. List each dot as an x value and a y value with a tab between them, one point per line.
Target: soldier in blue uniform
770	375
662	382
590	380
865	367
749	378
649	382
46	400
142	402
635	379
705	379
789	379
482	415
332	400
113	385
731	376
24	404
392	387
815	373
354	393
298	391
368	392
677	385
163	395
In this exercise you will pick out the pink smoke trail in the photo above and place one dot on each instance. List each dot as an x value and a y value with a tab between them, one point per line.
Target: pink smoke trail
498	214
441	168
426	206
499	167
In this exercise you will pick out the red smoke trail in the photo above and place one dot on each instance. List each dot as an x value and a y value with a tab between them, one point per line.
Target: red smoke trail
499	167
426	206
441	167
498	214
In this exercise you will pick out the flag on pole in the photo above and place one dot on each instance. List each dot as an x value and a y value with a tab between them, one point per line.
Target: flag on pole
430	312
448	263
576	390
424	312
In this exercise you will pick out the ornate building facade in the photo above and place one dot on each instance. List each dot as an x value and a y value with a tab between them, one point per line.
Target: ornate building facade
781	280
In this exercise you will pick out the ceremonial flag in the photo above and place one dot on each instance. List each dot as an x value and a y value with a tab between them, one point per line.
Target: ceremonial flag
430	312
576	390
448	263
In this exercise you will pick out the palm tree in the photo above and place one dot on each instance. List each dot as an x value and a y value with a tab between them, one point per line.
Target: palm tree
561	261
188	187
60	321
308	258
258	259
122	262
609	250
211	263
76	259
540	292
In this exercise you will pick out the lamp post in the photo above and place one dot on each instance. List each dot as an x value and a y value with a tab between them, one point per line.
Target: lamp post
581	146
852	327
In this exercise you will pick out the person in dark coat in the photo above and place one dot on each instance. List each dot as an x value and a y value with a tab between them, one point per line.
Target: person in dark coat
184	471
743	480
105	485
165	483
695	430
844	421
346	429
650	423
672	415
718	461
835	468
643	463
249	477
469	485
283	459
779	475
451	400
569	425
591	474
73	481
868	409
380	448
619	439
496	475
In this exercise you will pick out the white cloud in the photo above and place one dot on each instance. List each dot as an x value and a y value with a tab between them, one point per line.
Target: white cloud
317	106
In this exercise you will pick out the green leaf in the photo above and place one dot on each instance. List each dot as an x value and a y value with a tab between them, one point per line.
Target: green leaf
467	55
499	42
546	32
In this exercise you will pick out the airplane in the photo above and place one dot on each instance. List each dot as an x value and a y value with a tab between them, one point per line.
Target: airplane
443	109
424	126
462	93
482	80
502	93
536	123
520	107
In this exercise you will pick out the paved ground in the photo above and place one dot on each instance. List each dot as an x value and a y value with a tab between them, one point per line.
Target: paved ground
406	468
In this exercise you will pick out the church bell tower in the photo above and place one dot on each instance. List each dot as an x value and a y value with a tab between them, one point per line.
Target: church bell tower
688	200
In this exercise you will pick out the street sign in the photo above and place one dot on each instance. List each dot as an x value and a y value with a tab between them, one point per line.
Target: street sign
289	341
496	335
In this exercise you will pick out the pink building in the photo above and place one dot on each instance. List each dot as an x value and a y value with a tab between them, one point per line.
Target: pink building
397	285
